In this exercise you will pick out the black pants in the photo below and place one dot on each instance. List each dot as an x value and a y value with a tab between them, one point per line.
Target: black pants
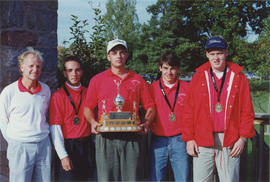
82	154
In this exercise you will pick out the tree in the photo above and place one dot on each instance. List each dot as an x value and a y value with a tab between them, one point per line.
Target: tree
92	53
184	27
121	21
261	60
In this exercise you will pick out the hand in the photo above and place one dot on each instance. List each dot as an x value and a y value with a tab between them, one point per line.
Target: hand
150	114
66	164
238	147
94	126
192	148
144	127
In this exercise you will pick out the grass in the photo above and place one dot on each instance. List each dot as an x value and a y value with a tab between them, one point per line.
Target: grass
260	100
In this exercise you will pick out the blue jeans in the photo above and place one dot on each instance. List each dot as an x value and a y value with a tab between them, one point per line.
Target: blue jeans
172	149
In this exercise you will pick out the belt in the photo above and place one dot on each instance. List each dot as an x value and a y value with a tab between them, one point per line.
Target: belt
78	139
166	136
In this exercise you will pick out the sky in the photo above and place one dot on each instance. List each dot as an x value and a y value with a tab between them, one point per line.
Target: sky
83	9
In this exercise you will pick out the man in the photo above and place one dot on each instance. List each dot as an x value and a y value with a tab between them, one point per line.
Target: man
118	154
23	107
166	142
219	115
69	129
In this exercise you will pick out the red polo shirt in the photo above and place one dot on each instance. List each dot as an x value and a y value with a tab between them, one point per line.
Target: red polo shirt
162	126
102	87
62	113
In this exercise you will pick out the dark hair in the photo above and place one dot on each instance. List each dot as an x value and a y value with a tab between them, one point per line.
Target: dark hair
169	58
72	58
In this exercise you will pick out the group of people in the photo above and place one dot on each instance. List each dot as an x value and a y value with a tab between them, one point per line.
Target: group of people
209	118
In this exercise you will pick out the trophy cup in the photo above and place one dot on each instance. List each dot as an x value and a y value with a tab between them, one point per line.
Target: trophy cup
119	121
118	100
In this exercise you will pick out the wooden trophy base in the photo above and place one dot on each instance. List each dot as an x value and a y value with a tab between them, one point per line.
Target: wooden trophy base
119	122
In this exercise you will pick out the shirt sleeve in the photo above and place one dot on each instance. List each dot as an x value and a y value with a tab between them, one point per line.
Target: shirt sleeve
188	114
4	116
58	141
146	98
91	96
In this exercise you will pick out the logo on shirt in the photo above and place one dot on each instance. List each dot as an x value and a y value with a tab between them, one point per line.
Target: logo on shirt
134	85
181	98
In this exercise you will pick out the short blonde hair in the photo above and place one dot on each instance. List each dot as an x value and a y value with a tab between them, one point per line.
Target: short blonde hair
30	50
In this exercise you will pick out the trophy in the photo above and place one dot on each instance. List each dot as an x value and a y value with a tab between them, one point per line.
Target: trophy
118	100
119	121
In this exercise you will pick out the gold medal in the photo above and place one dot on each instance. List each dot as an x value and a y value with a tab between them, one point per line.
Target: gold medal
172	117
218	107
76	121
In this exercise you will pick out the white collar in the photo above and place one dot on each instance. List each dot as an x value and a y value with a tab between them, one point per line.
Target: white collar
74	87
220	74
169	85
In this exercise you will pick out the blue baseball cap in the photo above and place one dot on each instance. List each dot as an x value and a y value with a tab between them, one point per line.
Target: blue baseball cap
216	42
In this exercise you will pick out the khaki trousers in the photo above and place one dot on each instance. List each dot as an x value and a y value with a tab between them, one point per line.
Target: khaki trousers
227	166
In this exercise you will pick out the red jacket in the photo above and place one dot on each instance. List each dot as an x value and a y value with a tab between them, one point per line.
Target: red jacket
239	114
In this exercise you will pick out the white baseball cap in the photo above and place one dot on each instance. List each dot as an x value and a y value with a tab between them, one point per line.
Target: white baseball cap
114	43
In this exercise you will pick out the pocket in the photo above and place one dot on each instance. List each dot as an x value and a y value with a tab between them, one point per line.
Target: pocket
13	149
179	139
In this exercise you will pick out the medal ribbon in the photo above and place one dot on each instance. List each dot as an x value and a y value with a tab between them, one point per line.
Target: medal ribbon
222	82
165	96
71	101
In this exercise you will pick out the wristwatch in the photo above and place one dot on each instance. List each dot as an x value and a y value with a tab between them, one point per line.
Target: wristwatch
244	139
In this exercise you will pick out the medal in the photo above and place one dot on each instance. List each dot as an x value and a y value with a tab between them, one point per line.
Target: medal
172	117
218	107
76	121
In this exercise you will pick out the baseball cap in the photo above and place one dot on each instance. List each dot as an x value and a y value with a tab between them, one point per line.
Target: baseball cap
114	43
216	42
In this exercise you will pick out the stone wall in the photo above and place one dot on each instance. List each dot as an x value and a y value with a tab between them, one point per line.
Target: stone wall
22	24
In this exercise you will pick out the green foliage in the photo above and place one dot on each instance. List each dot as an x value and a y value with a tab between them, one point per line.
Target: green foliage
92	53
121	21
177	26
262	51
260	101
184	27
97	44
